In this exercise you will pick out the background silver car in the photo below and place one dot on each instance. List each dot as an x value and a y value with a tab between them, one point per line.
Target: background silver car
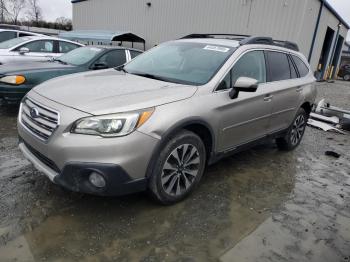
34	48
158	121
8	34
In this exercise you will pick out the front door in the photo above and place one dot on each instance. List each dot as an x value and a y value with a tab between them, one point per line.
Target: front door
245	118
39	50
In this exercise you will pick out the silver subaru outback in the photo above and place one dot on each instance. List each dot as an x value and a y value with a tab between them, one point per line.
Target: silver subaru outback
155	123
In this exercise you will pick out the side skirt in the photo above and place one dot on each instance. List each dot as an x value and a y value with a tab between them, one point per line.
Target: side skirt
220	155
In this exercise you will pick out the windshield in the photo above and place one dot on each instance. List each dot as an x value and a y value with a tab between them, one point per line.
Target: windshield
13	42
181	62
80	55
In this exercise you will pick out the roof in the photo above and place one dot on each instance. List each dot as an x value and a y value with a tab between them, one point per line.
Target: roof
101	36
334	12
20	31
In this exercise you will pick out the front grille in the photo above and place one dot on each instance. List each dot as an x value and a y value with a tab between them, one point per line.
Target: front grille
40	120
48	162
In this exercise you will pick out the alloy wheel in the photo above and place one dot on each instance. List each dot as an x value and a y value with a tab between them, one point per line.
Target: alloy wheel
297	130
180	169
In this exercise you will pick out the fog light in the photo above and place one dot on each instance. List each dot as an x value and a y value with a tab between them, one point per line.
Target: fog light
97	180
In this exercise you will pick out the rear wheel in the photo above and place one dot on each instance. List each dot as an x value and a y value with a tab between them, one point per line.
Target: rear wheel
295	132
179	168
347	77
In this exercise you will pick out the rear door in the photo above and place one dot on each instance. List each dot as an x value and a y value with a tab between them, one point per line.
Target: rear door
285	89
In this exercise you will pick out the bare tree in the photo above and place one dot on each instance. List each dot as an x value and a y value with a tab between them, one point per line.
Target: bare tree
34	11
15	7
3	11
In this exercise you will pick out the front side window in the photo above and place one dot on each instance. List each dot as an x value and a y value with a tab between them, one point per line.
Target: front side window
251	65
65	47
134	53
302	68
181	62
40	46
279	66
113	58
7	35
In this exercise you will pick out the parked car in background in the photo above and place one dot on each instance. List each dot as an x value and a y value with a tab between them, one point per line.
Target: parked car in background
34	48
17	79
344	72
157	122
7	34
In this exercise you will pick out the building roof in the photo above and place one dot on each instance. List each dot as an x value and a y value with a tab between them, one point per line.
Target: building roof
101	36
337	15
328	5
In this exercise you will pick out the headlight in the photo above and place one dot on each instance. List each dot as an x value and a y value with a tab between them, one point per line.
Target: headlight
112	125
13	80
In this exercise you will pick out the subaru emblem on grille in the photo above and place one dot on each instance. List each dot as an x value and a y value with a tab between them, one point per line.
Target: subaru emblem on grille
34	113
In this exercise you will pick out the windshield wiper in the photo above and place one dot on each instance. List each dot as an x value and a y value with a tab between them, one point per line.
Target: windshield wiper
152	77
121	68
59	60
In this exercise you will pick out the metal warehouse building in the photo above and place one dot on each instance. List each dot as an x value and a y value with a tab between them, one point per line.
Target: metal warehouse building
313	24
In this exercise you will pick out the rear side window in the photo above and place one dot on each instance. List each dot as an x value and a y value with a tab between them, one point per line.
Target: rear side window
278	65
302	68
7	35
134	53
113	58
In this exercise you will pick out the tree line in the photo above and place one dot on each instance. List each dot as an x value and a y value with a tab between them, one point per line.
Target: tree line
29	13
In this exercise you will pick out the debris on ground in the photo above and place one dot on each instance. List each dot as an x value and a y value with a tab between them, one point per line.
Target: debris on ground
332	153
330	118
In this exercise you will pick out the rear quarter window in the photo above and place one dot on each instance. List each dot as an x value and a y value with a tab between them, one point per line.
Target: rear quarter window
302	68
278	66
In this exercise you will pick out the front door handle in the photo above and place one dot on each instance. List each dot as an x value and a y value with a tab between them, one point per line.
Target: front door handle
299	89
268	98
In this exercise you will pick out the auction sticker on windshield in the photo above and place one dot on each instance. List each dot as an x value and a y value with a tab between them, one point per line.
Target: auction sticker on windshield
217	48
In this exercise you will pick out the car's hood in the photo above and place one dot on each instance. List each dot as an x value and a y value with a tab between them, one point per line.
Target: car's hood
26	67
111	91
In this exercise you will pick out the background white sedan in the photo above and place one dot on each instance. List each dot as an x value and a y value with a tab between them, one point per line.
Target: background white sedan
34	48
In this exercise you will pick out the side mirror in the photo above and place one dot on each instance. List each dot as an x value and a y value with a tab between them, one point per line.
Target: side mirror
244	84
99	66
24	50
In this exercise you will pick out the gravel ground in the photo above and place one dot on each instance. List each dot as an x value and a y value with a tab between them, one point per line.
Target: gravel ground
259	205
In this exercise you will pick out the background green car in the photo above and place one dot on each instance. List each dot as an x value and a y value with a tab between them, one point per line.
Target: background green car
18	78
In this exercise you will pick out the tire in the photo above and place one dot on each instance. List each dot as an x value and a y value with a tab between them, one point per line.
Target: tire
295	132
346	77
170	180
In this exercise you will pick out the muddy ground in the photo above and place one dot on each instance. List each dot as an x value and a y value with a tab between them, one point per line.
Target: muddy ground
259	205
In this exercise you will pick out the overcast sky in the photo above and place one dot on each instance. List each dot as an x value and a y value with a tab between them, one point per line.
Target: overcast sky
56	8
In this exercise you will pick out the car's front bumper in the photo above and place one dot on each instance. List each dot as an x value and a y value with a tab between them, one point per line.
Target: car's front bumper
68	159
13	94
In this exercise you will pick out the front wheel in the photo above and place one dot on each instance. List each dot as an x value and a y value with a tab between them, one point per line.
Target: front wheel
295	132
179	168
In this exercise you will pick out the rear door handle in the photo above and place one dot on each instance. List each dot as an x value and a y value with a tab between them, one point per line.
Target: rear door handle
299	89
268	98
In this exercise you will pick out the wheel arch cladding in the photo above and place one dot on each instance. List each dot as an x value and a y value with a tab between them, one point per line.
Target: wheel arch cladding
307	107
197	126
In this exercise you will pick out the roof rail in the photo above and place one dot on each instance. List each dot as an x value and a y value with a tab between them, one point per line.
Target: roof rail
262	40
223	36
248	40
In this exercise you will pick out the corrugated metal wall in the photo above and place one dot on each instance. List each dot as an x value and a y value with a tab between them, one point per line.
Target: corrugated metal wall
292	20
